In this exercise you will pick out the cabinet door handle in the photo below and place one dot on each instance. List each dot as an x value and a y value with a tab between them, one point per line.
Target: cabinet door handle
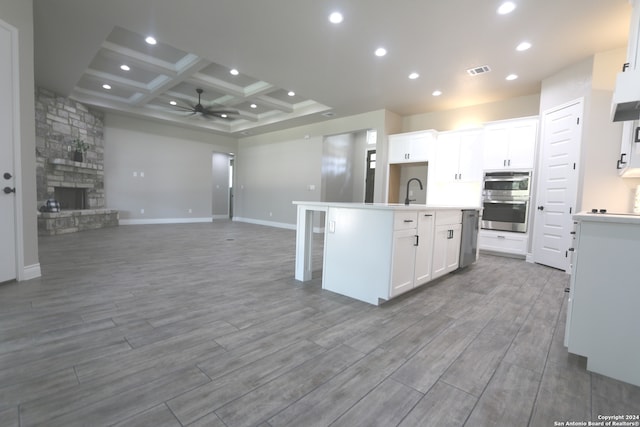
408	220
619	164
509	162
504	163
428	215
417	243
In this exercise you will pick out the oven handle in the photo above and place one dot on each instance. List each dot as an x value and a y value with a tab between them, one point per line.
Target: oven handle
514	179
510	202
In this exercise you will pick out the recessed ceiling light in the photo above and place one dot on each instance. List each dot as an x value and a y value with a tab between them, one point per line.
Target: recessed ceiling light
506	7
150	40
523	46
436	93
414	76
291	93
173	103
336	18
253	106
380	51
106	86
234	72
512	77
224	116
124	67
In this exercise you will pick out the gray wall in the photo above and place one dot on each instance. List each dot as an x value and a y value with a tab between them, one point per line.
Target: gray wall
177	167
338	163
274	169
220	184
20	15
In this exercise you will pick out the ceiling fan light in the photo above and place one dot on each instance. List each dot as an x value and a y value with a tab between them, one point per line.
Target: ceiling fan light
150	40
291	93
234	72
106	86
253	106
125	67
173	103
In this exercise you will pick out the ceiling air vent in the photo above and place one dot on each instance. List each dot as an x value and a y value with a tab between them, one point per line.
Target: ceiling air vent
478	70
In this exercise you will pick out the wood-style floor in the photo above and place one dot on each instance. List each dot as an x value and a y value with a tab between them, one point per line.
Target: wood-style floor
204	325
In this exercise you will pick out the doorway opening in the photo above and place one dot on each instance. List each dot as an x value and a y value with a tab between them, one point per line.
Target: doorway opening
370	176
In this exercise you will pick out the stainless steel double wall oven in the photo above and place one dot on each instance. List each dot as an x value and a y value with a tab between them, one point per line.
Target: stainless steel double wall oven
506	199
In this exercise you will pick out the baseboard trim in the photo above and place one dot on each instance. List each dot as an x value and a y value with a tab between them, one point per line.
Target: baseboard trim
29	272
221	216
267	223
163	221
274	224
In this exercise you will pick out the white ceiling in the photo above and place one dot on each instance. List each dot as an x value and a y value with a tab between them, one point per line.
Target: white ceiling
282	45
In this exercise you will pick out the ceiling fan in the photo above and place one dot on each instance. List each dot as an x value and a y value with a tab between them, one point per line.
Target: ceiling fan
207	111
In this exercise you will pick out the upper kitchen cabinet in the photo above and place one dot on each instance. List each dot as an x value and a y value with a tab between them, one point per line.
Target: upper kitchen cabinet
510	144
458	155
455	174
411	147
629	163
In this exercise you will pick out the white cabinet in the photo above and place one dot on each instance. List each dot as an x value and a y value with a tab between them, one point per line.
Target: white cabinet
510	144
424	250
411	255
503	241
602	319
455	174
629	163
411	147
457	157
446	244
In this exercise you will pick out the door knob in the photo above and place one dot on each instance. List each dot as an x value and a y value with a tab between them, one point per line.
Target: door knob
540	208
7	175
9	190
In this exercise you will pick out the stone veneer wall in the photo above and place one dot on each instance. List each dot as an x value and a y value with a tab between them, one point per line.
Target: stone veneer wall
59	121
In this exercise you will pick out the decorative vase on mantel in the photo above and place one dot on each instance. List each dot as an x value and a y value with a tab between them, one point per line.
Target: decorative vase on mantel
80	148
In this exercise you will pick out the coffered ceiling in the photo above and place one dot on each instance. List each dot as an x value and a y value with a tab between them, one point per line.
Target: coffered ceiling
283	46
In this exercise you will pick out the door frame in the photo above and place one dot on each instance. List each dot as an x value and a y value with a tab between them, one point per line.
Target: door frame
535	202
17	164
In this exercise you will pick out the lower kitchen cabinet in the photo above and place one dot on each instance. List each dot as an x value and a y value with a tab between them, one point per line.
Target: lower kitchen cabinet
602	312
446	244
503	242
412	248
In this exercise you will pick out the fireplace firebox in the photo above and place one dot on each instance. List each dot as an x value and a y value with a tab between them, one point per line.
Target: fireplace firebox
71	198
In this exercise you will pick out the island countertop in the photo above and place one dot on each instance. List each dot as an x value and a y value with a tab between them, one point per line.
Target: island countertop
622	218
381	206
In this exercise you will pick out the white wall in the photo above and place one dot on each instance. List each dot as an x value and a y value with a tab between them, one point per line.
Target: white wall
177	167
593	79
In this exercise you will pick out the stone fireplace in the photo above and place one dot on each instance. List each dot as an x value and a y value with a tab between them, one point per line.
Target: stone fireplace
77	186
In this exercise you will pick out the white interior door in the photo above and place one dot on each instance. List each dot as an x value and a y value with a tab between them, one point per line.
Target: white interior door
557	184
7	172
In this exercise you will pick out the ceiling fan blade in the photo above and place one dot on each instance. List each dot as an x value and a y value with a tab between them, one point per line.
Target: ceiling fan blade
183	108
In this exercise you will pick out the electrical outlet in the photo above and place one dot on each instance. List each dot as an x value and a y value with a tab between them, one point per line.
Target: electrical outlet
142	210
190	210
141	174
135	174
270	213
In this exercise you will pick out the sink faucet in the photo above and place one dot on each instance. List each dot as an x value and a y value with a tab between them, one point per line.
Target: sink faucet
406	199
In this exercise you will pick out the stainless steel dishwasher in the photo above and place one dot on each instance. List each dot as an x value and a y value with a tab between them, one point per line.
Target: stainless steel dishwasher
469	238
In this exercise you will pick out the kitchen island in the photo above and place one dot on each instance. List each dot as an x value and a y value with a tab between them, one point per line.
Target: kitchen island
375	252
602	313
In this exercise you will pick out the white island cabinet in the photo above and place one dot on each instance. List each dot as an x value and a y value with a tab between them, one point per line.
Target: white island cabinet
602	313
374	252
